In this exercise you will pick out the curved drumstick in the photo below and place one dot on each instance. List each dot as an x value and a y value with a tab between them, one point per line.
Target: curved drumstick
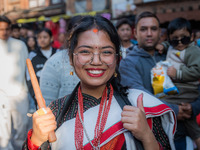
38	94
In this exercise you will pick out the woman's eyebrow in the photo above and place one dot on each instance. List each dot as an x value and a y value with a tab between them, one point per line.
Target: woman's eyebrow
91	47
104	47
86	46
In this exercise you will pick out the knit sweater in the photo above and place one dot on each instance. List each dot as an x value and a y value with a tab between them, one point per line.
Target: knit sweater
55	80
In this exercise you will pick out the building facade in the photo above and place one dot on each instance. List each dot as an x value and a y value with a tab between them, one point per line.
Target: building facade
16	9
167	10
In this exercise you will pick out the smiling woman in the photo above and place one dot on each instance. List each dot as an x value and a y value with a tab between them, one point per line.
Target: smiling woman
93	116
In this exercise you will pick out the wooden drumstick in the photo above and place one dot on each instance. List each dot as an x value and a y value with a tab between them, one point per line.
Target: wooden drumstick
38	94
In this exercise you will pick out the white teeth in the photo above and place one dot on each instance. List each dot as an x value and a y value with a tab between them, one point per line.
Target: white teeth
95	71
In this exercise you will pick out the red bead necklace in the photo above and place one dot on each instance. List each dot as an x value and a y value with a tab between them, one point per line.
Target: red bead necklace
101	119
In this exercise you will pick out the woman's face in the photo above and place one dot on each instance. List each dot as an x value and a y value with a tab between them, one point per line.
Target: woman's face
31	42
94	70
44	40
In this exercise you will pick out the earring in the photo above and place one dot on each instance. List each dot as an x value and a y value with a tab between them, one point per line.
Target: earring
72	71
115	75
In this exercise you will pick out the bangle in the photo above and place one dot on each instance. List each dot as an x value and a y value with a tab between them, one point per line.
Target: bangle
31	146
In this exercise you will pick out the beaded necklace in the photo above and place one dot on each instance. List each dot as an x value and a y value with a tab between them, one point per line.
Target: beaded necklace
104	108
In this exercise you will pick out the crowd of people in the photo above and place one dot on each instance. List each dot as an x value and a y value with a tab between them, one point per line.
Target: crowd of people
96	82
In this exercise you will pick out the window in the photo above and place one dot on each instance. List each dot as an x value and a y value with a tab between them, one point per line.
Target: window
56	1
36	3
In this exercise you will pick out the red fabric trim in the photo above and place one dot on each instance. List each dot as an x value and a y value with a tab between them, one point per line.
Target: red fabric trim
157	110
198	119
174	124
120	142
107	134
31	146
150	123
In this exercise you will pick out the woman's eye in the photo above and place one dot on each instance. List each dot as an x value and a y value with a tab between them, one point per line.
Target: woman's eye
107	52
84	52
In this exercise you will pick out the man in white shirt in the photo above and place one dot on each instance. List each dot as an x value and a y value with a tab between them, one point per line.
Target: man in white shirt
13	89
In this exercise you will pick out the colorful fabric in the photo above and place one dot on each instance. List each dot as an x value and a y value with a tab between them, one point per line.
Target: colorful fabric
67	128
114	135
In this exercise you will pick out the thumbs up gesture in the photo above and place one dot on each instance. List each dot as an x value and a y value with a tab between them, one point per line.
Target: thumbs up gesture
134	119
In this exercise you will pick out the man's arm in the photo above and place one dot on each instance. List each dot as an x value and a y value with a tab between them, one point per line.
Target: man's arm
188	110
190	71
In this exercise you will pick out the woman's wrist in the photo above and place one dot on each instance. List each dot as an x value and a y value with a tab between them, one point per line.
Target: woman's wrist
31	145
35	140
150	142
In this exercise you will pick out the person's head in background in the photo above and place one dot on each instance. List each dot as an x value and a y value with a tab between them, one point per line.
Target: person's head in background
44	38
180	33
30	33
93	45
15	31
61	38
23	30
147	31
5	25
124	29
163	35
31	43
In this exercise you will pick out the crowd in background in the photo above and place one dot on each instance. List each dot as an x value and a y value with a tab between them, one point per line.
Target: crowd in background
53	69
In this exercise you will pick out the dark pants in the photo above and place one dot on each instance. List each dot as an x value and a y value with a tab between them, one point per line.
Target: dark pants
180	136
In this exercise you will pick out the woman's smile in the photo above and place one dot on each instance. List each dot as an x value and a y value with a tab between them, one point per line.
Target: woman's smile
95	72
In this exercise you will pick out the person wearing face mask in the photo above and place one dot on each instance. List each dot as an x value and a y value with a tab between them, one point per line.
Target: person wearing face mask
39	56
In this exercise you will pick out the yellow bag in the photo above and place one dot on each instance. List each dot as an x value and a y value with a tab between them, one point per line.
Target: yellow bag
161	82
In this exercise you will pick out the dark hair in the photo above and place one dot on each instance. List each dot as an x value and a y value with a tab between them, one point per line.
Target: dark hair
146	14
15	26
122	22
45	30
102	24
87	23
29	37
25	26
5	19
177	24
73	21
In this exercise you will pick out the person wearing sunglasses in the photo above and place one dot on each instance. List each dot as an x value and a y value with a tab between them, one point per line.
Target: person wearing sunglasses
183	54
135	69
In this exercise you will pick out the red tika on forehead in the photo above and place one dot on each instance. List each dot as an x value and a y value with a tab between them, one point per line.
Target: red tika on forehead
95	30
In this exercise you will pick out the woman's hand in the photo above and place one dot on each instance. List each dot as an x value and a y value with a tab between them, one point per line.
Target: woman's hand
42	126
134	120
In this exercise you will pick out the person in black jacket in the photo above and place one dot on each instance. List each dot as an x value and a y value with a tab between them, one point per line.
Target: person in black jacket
39	56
